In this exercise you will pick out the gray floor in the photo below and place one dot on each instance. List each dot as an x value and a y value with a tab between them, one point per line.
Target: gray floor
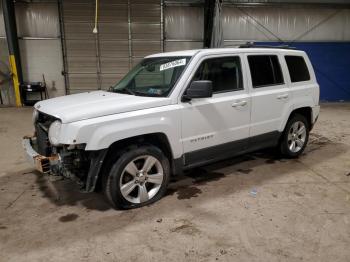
251	208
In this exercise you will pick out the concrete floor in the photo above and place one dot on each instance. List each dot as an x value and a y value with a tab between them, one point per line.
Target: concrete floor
251	208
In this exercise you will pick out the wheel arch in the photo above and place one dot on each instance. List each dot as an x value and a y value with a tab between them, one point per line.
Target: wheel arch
117	148
304	111
158	139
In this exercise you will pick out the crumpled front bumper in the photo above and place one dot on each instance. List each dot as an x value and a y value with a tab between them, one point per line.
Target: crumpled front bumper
41	163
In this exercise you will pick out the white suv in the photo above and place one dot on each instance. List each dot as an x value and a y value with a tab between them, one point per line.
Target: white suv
176	111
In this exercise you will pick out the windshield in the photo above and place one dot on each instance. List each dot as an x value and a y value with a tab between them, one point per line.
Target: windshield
152	77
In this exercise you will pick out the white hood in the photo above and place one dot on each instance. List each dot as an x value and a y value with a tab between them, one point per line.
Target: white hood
97	103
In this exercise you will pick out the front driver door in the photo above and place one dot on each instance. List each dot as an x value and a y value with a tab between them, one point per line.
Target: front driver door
217	127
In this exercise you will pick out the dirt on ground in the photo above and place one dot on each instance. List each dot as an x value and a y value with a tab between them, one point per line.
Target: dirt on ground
256	207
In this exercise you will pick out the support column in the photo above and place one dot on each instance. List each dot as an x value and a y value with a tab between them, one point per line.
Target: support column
209	8
12	42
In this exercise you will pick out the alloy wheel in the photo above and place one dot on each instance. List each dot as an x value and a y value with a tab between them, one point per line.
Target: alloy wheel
141	179
296	136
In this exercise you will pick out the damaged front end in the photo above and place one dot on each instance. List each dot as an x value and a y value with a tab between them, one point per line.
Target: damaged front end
69	161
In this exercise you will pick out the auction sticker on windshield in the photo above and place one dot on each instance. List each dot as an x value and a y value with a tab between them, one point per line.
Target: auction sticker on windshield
172	64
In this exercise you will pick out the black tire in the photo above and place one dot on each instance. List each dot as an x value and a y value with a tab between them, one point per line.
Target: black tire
284	144
111	183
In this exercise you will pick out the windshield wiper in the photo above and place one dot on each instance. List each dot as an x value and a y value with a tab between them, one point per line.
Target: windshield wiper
147	94
124	90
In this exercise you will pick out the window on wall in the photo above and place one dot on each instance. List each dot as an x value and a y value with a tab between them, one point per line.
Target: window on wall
297	68
265	70
224	72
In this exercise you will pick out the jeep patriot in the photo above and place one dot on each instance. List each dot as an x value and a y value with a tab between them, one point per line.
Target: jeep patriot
175	111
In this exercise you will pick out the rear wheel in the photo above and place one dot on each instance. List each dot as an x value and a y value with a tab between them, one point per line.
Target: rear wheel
295	136
137	178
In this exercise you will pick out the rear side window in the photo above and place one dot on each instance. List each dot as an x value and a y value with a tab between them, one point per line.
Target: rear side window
297	68
224	72
265	70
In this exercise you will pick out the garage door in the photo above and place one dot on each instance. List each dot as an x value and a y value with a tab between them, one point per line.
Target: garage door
128	31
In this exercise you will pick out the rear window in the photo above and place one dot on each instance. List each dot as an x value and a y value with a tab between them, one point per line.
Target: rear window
265	70
297	68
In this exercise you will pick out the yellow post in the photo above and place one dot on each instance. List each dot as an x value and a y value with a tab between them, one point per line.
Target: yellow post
15	80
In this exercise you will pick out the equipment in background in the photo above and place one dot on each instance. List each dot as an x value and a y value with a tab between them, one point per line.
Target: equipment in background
32	89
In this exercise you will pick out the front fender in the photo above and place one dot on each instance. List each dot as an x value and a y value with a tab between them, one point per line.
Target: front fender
104	136
99	133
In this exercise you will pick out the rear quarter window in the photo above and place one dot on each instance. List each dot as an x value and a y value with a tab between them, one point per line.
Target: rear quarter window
297	68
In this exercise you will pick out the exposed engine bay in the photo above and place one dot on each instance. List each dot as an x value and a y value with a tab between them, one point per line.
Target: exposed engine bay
69	161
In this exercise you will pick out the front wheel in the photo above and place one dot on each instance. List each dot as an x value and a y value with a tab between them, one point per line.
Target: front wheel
295	137
139	177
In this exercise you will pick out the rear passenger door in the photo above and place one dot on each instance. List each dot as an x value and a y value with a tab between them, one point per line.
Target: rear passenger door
269	95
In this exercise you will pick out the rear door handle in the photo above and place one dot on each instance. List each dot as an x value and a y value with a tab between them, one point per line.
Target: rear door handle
284	96
239	103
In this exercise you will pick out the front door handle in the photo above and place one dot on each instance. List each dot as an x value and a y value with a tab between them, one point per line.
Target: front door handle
283	96
239	103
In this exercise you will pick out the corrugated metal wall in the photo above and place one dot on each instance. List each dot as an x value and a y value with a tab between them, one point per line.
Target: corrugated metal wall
322	32
128	31
183	27
131	29
288	24
40	45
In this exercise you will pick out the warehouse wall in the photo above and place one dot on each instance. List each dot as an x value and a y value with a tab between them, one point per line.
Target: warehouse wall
322	32
40	47
183	27
285	23
128	31
40	44
131	29
6	90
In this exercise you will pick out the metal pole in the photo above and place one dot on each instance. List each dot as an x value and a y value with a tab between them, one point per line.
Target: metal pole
98	61
97	46
162	24
209	7
129	34
63	46
12	42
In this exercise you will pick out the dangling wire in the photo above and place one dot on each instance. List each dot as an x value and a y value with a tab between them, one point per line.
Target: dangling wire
96	18
97	46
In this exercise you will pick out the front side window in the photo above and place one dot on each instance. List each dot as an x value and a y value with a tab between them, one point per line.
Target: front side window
265	70
297	68
152	77
224	72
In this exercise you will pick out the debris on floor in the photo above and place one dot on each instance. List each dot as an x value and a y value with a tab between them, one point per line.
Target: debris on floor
253	192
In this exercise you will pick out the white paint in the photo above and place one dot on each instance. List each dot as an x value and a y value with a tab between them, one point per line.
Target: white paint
102	118
215	117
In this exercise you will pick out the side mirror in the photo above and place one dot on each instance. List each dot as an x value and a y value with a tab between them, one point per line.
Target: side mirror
199	89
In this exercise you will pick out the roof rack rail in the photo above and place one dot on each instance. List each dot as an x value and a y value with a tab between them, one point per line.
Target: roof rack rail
252	45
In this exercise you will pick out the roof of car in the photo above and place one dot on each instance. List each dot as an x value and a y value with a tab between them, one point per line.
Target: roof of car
224	50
